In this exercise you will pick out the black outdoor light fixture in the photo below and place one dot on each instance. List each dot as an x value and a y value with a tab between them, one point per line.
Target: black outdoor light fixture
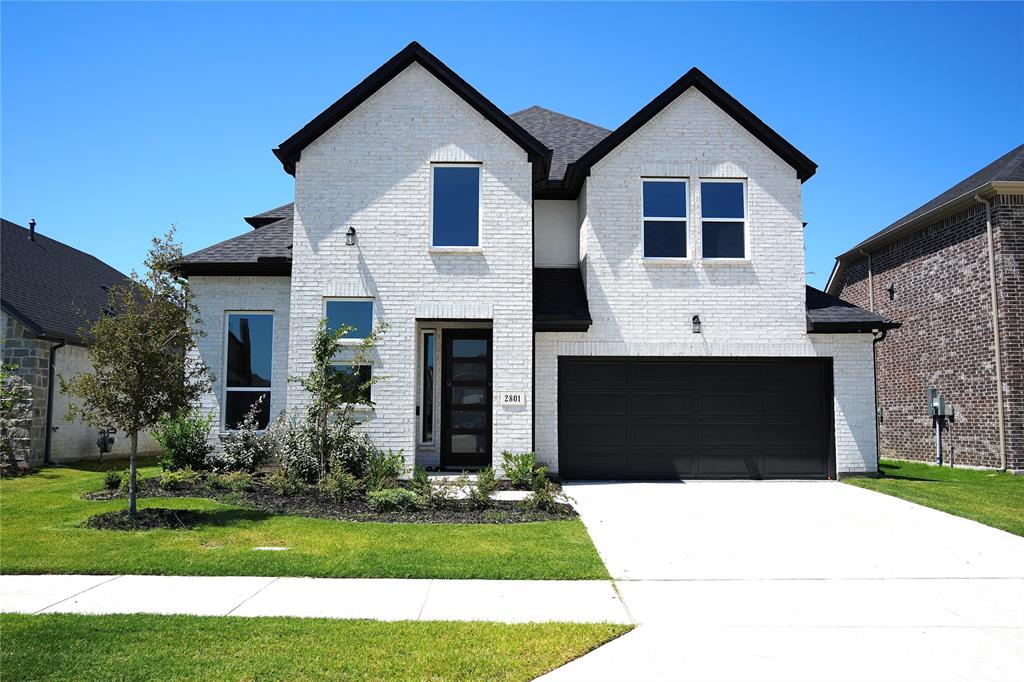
696	324
350	236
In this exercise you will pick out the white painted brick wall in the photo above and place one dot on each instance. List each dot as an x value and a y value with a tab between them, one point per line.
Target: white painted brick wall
215	297
749	309
372	171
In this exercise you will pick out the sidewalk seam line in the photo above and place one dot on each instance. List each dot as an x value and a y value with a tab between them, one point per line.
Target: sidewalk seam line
76	594
239	605
426	596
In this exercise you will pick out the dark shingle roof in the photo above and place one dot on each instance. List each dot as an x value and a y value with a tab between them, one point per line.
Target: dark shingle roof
267	250
559	300
1007	168
272	216
50	287
568	138
828	314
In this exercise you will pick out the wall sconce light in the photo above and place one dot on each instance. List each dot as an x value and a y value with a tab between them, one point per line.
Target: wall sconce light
350	236
892	290
696	324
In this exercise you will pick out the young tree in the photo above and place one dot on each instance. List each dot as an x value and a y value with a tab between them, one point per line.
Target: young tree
334	391
142	364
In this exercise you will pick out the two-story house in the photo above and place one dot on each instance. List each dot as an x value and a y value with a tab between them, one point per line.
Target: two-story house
627	303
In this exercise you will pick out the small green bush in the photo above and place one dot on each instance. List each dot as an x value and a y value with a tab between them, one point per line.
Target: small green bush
394	499
420	483
287	485
441	494
178	479
235	481
544	496
495	515
340	486
184	441
383	469
486	484
112	480
519	468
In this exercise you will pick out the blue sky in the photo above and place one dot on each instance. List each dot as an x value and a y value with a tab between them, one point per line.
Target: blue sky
119	119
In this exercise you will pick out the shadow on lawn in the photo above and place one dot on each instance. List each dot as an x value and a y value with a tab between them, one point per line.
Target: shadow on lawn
159	518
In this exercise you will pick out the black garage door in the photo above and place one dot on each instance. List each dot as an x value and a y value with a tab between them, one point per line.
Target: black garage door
670	418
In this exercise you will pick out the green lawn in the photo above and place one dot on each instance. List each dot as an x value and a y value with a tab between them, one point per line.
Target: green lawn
989	497
39	533
145	647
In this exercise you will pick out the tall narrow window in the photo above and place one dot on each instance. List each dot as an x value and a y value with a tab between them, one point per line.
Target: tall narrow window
455	205
664	218
427	433
250	352
723	218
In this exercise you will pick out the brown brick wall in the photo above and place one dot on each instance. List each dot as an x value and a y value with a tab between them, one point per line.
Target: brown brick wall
1008	228
941	290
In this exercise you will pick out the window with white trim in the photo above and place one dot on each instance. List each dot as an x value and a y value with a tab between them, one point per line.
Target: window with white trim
356	379
723	214
354	313
455	205
249	361
664	218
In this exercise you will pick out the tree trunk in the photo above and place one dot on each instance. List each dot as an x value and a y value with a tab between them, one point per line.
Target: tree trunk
133	476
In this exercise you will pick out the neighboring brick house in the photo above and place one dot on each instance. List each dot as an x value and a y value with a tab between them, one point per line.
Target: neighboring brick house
48	291
627	303
941	271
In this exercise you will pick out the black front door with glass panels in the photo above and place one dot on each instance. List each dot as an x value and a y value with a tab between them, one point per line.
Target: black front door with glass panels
466	399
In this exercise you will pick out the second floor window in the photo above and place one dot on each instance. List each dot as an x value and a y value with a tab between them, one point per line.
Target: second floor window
455	205
664	218
723	218
355	313
250	353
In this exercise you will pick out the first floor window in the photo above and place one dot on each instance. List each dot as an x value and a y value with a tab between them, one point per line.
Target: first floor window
723	218
250	352
354	381
354	314
664	218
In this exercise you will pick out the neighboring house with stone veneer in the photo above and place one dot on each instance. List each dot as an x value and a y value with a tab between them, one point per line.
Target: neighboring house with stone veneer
626	303
48	291
952	271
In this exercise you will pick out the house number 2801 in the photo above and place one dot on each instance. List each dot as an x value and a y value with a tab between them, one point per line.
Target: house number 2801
513	399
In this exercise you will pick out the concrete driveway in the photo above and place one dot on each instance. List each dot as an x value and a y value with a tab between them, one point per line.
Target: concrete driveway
801	581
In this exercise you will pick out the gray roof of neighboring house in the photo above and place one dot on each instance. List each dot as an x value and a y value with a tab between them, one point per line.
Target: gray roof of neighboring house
568	138
50	287
267	250
1007	168
828	314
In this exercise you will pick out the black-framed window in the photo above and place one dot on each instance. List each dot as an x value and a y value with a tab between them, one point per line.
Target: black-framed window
248	367
455	205
664	218
355	313
356	378
427	418
723	218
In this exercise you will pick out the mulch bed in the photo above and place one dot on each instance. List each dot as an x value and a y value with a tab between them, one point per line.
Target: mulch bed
314	505
145	519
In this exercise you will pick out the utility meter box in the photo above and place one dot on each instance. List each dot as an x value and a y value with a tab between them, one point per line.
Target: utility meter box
937	405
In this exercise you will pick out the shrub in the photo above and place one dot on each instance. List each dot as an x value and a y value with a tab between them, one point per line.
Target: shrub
394	499
178	479
235	481
383	469
291	441
495	515
544	496
486	484
420	483
112	480
351	450
340	486
183	439
440	494
519	468
286	485
245	449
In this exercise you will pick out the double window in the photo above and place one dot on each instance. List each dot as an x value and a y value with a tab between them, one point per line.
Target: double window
455	205
249	353
356	315
664	217
723	218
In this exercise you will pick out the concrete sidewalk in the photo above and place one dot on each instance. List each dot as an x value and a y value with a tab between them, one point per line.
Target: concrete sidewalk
507	601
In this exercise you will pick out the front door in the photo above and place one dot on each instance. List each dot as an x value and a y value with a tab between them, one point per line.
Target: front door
466	398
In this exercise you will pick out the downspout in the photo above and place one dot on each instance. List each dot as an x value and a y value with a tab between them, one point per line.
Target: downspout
878	337
995	328
871	283
52	366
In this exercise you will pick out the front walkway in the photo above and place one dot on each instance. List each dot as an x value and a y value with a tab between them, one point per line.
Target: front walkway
507	601
800	581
